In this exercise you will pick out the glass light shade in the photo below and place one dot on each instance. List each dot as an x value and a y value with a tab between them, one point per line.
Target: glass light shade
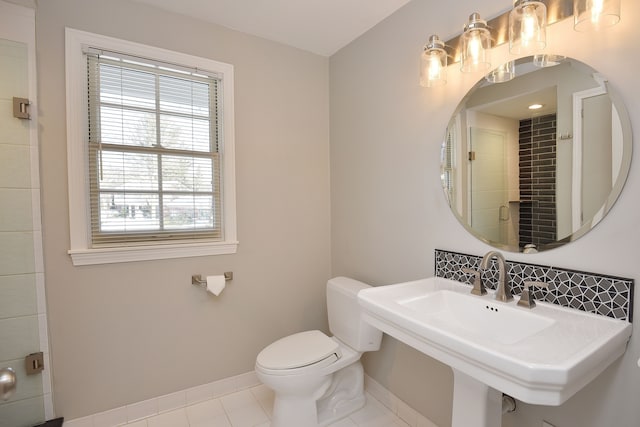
433	63
592	15
527	27
503	73
475	44
547	60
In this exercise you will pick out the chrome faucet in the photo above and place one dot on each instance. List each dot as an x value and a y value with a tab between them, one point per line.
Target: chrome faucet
503	291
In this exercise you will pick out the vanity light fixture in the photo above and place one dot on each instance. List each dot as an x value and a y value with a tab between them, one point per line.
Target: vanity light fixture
591	15
433	63
503	73
523	27
527	27
476	45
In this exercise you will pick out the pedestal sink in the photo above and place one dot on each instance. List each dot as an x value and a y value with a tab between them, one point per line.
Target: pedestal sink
540	356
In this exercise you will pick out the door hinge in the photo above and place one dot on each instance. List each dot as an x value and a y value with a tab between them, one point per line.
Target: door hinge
21	108
34	363
472	155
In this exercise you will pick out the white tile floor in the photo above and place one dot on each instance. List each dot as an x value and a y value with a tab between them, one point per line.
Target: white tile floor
252	408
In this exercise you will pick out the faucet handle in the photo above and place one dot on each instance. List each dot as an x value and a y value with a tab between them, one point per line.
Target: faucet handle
478	285
526	299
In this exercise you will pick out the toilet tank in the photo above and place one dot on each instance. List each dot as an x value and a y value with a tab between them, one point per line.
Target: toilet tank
345	315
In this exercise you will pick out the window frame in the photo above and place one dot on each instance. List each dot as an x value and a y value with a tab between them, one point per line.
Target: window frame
81	250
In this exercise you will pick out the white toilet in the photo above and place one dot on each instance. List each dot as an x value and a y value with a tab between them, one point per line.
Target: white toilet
319	379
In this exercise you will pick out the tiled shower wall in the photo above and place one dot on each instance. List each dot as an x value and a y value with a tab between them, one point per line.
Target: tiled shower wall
22	301
537	151
595	293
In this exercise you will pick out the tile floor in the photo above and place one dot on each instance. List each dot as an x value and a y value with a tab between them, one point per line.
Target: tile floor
252	408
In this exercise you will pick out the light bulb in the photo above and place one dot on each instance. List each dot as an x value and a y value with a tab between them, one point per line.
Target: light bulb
433	67
530	25
596	11
474	48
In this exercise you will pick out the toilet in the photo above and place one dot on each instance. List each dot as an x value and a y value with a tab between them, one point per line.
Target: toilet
319	379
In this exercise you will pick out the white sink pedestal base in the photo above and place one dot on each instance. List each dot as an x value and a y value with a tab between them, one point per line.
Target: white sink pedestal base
475	404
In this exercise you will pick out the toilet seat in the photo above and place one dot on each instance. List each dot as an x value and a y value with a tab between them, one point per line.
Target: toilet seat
297	351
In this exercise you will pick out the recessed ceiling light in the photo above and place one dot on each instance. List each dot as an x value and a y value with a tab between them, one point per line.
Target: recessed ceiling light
535	106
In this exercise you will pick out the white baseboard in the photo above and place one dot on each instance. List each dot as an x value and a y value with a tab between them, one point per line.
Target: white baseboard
190	396
403	411
166	403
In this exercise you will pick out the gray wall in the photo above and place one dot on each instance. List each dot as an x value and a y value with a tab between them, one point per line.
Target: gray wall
389	213
122	333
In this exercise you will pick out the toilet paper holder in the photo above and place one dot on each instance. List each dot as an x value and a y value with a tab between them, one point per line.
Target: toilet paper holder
197	279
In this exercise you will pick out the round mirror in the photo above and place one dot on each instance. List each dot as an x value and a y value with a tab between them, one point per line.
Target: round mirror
535	157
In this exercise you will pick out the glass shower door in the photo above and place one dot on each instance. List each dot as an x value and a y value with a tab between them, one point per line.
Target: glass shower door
21	301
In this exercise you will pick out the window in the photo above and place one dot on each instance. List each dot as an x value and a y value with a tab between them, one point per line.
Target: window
150	148
448	162
153	152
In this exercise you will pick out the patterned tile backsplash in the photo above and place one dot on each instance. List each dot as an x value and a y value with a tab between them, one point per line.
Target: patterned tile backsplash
596	293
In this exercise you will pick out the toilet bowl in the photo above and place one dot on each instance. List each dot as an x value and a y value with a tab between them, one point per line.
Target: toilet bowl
319	379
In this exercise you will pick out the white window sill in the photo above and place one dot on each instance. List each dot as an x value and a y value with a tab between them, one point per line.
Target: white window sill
149	253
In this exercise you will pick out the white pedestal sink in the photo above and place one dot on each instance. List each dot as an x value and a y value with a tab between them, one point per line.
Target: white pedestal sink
475	404
539	356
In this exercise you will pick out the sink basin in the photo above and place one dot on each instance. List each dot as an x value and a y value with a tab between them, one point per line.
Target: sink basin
540	356
475	318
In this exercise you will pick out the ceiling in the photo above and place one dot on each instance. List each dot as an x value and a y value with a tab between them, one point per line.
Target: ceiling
319	26
518	107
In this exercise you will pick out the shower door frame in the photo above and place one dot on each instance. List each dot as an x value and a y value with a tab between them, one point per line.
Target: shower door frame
17	23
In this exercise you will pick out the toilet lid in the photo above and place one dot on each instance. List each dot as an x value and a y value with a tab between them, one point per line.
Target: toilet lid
298	350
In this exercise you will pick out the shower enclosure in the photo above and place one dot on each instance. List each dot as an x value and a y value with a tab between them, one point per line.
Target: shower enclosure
25	386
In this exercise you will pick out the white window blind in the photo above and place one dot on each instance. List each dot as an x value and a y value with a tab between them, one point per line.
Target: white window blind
153	146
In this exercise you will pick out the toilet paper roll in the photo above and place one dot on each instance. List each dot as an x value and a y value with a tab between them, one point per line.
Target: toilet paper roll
215	284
